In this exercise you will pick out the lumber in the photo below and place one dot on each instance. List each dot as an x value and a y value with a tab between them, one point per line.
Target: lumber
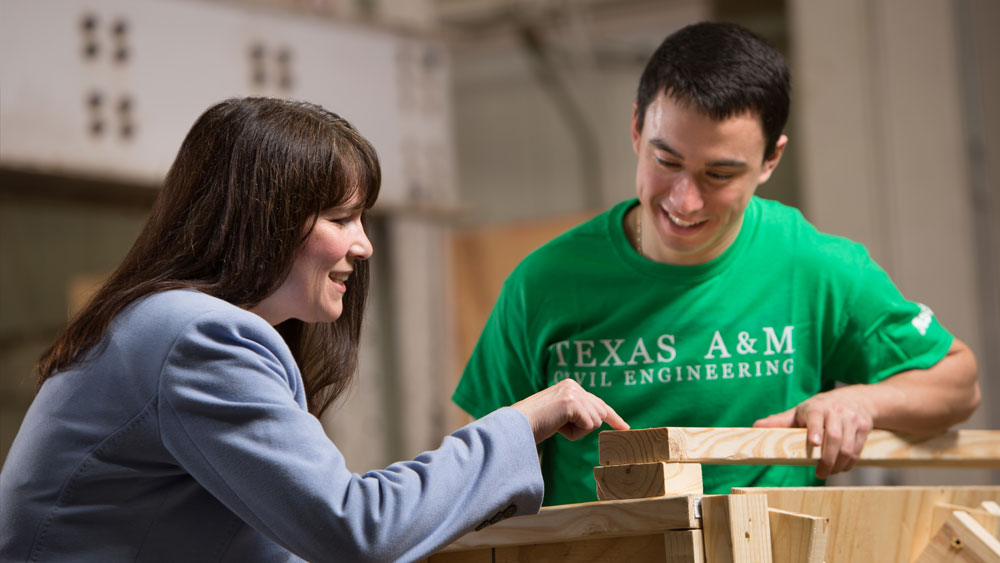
588	520
645	480
684	546
961	538
884	524
474	556
942	511
990	506
797	538
788	446
641	549
736	528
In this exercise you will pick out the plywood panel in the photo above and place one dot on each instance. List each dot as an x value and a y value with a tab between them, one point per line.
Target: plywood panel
685	546
884	524
941	513
639	549
961	539
473	556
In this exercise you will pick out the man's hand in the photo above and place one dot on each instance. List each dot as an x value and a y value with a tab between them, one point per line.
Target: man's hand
839	421
919	402
568	409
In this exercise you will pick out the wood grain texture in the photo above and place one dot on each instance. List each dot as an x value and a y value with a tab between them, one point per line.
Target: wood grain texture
647	445
990	506
685	546
884	524
589	520
788	446
797	538
647	480
941	513
736	529
473	556
961	539
640	549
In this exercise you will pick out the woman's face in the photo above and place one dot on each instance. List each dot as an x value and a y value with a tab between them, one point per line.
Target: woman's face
315	286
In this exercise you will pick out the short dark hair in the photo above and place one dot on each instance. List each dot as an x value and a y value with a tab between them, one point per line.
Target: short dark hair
722	70
249	179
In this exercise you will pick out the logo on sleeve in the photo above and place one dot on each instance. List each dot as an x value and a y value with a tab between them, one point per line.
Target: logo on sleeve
922	321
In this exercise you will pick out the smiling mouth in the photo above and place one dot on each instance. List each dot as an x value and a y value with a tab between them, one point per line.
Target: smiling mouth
339	277
681	222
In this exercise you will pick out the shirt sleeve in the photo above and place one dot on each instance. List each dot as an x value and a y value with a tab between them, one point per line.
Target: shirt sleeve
500	371
230	417
883	332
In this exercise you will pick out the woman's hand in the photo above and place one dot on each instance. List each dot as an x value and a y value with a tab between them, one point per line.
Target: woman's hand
567	409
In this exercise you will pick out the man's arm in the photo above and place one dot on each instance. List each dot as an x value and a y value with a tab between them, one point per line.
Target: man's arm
921	402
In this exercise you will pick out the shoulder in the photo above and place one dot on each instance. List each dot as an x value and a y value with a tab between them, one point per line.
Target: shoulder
785	226
185	305
171	315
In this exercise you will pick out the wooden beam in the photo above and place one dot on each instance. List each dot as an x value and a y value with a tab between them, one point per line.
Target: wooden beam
961	538
797	538
647	548
736	528
647	480
884	524
474	556
684	546
788	446
589	520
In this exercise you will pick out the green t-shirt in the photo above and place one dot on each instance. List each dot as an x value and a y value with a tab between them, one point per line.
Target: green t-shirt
784	313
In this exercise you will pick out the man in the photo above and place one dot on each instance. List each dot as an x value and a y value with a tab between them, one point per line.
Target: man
700	304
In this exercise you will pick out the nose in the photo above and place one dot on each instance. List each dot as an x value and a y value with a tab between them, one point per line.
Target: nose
362	247
685	197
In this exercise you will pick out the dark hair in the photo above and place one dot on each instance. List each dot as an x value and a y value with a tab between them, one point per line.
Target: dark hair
721	70
248	181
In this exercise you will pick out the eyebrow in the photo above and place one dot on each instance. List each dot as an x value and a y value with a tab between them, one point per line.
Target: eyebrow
663	146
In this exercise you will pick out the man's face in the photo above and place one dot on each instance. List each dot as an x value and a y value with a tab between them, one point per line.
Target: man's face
694	178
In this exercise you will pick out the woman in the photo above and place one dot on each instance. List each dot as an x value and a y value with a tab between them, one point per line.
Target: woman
172	421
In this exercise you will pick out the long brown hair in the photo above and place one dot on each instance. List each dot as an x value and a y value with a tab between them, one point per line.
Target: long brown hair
248	180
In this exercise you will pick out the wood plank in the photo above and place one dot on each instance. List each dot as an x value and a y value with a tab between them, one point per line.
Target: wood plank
788	446
942	511
684	546
961	538
588	520
884	524
472	556
646	480
990	506
736	528
640	549
797	538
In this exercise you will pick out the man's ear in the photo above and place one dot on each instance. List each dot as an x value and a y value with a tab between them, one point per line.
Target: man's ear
636	131
771	162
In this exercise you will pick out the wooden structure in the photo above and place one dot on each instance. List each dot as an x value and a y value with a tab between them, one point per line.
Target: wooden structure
652	507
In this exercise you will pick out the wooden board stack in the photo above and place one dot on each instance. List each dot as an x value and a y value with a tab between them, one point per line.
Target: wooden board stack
652	506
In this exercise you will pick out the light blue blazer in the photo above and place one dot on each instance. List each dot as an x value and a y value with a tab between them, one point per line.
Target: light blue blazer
185	437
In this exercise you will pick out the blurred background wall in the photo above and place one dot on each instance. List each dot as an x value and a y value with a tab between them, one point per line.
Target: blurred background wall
499	124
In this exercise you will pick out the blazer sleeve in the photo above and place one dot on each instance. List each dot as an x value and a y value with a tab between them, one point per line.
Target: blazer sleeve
231	414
